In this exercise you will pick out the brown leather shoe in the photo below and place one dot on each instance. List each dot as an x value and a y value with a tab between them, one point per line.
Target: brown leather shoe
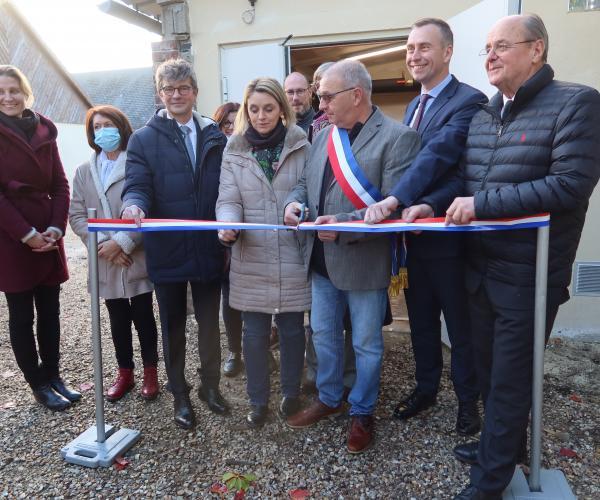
311	415
361	433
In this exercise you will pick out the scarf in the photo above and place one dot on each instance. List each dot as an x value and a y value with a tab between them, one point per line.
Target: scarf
24	126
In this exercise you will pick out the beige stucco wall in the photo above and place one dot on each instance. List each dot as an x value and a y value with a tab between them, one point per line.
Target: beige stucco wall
213	24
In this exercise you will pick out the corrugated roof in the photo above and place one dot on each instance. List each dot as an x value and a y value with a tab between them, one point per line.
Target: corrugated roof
130	90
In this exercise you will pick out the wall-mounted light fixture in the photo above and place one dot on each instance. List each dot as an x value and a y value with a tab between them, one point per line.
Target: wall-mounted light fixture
248	15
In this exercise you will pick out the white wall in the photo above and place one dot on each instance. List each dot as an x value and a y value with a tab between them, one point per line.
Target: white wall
73	147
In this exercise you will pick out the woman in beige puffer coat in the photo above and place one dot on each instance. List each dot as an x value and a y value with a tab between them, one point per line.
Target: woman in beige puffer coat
262	162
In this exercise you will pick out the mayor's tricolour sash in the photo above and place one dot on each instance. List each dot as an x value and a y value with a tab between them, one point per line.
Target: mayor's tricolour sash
347	171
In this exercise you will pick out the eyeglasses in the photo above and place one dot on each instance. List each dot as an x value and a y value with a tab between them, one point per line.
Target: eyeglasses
183	90
329	97
298	92
501	48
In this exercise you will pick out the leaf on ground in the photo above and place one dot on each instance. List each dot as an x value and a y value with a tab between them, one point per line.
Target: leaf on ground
239	495
8	405
86	386
567	452
8	374
299	494
218	488
121	463
575	397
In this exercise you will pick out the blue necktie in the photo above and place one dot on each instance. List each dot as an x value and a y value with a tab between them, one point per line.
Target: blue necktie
188	144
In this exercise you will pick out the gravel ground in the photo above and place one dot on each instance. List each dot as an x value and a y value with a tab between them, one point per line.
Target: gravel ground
409	460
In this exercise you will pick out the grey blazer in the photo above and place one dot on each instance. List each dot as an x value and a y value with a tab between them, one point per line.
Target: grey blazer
384	148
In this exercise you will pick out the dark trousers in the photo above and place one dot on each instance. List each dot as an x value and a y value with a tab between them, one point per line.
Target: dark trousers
503	349
257	331
232	319
20	326
137	310
172	306
435	287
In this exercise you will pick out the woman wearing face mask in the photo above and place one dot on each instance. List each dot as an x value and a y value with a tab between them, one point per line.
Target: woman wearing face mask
122	273
34	202
262	162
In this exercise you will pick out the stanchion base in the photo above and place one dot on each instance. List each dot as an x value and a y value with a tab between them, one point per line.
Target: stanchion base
552	481
85	450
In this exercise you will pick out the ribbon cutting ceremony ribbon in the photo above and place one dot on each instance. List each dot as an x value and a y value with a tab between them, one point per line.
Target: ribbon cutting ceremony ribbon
390	226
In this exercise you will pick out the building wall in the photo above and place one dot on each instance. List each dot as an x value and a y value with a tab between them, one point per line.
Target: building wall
72	147
308	21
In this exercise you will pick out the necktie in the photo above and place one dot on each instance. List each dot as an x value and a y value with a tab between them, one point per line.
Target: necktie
506	109
188	144
421	110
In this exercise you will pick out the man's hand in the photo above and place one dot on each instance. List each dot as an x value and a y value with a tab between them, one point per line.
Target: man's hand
291	215
134	212
228	236
462	211
381	210
109	250
327	235
39	243
422	211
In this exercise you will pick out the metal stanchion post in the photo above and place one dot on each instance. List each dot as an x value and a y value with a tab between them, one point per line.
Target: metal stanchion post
99	445
92	246
543	484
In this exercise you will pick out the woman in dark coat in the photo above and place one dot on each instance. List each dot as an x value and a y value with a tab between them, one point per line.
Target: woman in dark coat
34	203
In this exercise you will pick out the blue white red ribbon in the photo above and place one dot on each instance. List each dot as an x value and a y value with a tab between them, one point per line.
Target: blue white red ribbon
390	226
353	182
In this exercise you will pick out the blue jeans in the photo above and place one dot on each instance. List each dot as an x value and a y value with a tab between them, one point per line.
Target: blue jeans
256	333
367	312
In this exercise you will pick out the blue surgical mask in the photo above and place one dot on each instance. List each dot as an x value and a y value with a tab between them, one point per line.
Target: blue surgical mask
108	138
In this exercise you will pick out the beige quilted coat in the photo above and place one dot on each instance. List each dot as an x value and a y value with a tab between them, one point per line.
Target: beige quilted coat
267	267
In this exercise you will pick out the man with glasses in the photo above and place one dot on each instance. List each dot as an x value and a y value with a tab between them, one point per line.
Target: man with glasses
535	148
349	271
435	262
299	95
172	172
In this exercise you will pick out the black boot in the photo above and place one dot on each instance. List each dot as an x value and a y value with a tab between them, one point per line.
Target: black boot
59	386
466	453
48	397
289	407
183	412
257	416
467	420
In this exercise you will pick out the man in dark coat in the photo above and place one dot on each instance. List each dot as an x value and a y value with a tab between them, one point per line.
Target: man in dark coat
172	172
534	149
436	262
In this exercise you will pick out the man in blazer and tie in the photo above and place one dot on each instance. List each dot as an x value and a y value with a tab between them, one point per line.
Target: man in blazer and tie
349	270
435	262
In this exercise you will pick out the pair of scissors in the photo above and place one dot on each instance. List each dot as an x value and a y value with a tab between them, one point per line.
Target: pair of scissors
302	216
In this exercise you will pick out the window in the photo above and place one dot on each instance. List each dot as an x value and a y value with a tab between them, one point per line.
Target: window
582	5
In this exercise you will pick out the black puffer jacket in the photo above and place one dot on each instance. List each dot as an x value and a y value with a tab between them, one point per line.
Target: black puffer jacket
159	179
545	157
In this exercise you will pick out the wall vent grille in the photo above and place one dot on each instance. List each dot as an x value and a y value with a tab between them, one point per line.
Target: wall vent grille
586	278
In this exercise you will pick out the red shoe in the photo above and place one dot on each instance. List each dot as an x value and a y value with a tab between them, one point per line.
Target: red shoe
360	433
150	384
122	385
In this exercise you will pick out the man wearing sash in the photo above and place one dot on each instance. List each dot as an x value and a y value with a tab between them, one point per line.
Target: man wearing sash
352	164
436	262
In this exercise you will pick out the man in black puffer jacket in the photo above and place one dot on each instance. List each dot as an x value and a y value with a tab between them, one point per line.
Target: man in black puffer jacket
535	148
172	172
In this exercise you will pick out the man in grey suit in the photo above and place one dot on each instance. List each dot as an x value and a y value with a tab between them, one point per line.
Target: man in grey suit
349	270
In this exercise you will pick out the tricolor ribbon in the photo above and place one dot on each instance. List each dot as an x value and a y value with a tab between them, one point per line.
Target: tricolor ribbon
389	226
355	185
